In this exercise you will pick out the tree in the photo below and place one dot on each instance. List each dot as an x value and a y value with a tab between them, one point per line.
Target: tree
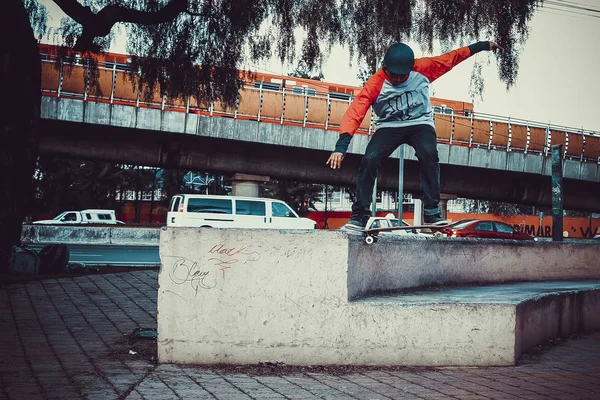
303	71
196	47
74	184
497	208
300	196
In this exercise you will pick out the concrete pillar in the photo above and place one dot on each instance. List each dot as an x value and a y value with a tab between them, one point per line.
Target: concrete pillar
246	185
418	212
444	204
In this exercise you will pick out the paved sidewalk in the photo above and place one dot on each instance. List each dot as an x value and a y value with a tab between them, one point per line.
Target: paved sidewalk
69	338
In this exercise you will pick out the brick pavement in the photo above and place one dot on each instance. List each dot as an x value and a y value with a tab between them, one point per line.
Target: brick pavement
68	338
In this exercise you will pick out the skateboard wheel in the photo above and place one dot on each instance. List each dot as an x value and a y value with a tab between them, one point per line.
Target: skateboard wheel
369	240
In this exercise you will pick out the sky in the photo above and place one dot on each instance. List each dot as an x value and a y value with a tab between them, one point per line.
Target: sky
558	80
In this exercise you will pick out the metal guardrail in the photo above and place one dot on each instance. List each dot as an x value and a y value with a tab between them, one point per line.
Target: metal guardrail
309	107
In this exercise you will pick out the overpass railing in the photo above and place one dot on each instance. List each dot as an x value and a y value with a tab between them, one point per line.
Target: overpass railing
307	107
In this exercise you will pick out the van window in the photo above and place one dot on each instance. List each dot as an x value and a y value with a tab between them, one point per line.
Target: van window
175	203
282	210
249	207
216	206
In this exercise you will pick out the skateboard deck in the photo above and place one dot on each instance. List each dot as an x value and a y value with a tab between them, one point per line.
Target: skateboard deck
371	234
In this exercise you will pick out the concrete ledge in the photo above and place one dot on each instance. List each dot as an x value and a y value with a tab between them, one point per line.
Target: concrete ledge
249	296
494	324
89	235
64	234
397	262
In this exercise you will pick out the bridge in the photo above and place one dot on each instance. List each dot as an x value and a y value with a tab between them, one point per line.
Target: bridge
287	132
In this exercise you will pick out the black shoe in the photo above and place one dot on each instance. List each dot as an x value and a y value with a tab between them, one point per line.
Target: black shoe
435	219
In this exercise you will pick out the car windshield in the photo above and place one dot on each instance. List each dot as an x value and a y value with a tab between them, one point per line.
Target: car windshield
394	222
59	216
461	225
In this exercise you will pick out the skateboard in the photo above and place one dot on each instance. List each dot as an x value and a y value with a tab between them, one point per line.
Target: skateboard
372	234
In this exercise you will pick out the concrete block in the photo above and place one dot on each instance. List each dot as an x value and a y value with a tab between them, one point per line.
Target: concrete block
258	281
409	153
204	125
224	128
70	110
149	118
246	130
173	121
134	236
547	166
271	134
125	116
49	107
443	153
250	296
515	161
397	263
571	169
459	155
316	139
589	172
532	163
64	234
330	139
565	309
498	159
358	144
97	113
191	124
292	136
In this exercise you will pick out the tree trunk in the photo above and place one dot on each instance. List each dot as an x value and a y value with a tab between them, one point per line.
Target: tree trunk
21	78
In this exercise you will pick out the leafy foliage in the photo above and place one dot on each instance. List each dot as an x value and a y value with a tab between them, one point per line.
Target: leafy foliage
300	196
75	185
497	208
196	48
38	18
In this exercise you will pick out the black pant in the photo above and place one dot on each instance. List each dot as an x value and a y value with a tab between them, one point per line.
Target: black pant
383	143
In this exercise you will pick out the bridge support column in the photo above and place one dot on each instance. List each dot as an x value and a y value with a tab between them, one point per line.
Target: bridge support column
246	185
444	203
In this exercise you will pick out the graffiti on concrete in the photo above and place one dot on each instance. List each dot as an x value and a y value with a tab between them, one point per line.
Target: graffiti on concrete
206	273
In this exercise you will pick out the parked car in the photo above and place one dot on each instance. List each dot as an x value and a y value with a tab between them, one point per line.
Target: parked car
483	228
388	221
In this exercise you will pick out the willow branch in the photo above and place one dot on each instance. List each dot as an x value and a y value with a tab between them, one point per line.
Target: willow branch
99	24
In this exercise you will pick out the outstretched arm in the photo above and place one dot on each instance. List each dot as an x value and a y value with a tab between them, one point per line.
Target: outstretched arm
354	117
336	158
434	67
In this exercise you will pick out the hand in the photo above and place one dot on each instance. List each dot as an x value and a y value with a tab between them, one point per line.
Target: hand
494	47
335	160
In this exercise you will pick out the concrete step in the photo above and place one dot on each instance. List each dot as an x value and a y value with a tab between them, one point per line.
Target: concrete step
314	298
490	324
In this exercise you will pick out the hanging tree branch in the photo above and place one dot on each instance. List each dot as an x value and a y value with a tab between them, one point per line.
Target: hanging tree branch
99	24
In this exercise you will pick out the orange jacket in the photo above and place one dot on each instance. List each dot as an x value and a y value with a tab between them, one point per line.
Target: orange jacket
405	104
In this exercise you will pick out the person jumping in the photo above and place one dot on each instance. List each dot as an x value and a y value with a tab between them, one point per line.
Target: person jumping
399	95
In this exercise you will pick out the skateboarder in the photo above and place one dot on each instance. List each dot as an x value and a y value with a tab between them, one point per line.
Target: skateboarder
399	95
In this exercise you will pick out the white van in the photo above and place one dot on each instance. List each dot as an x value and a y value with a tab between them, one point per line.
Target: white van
233	212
